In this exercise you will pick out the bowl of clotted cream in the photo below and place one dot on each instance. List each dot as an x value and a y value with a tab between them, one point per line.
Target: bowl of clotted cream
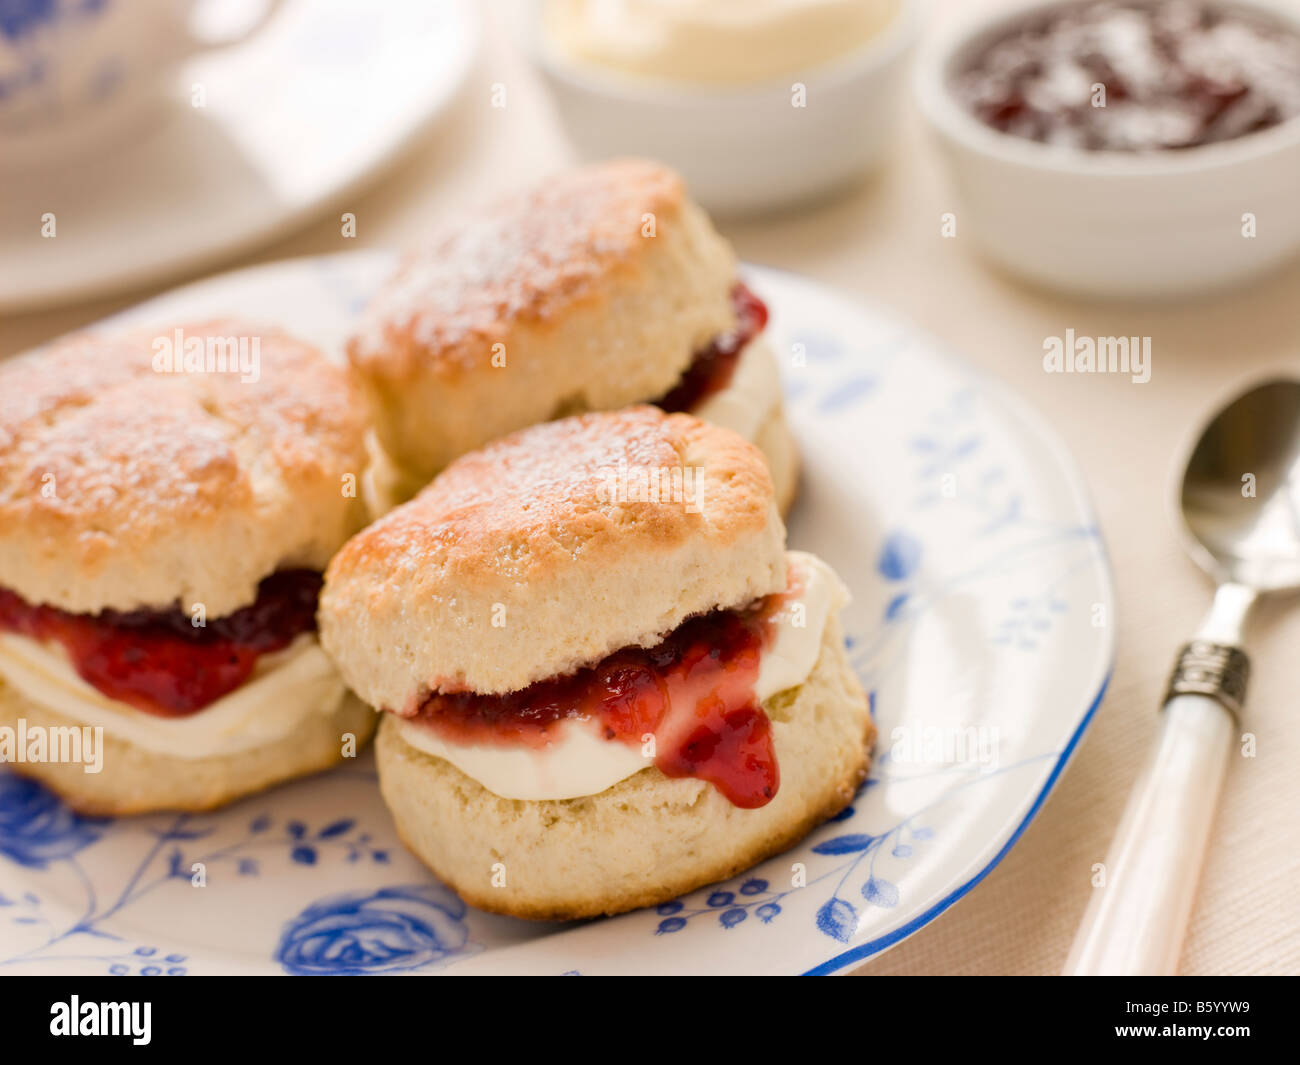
760	104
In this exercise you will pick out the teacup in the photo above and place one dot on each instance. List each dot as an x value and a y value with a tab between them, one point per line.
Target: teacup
74	70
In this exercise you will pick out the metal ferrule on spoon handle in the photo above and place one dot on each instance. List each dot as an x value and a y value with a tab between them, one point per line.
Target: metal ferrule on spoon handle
1136	920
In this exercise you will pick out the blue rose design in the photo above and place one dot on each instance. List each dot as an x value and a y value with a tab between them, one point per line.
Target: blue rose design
36	828
388	931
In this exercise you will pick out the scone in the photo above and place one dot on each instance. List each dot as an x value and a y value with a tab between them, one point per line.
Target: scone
600	287
168	500
604	680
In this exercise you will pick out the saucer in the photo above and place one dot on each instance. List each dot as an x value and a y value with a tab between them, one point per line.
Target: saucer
292	121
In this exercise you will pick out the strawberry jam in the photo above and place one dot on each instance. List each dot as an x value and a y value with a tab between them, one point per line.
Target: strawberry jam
693	692
1136	76
157	660
711	369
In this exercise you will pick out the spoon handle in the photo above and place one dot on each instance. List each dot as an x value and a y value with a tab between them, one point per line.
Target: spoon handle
1136	918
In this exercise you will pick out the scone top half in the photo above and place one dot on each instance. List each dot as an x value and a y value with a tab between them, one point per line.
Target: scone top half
167	496
128	481
547	551
600	287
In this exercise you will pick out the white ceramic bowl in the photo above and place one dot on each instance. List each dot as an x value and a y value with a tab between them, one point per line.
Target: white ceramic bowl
746	149
1105	223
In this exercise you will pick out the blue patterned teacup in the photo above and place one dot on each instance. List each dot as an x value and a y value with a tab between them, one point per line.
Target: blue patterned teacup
72	68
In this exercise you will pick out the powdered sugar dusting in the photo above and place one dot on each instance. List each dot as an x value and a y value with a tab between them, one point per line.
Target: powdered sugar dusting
97	445
526	256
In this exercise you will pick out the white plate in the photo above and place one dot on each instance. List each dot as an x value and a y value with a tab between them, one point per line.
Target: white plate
982	601
296	119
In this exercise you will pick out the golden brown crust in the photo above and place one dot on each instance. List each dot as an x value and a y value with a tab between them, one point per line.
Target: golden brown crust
590	291
122	486
839	793
529	558
525	504
523	259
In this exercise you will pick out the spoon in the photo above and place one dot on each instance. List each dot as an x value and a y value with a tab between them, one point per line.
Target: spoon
1240	506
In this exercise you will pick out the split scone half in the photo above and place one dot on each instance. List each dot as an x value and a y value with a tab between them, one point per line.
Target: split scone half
604	680
168	500
600	287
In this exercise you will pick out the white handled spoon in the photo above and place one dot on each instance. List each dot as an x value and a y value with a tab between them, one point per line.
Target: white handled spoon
1240	505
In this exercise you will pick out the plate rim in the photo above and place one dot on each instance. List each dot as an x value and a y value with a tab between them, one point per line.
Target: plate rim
872	948
1063	459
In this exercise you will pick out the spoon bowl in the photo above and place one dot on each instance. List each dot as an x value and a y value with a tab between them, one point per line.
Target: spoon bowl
1240	494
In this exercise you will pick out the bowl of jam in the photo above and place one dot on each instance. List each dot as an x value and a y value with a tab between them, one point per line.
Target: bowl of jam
1123	148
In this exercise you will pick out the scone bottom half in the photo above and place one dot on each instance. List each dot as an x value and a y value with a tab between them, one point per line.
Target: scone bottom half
654	835
127	713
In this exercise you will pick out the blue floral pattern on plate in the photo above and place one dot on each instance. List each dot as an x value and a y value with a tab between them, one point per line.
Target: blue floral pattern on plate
978	574
36	829
385	931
